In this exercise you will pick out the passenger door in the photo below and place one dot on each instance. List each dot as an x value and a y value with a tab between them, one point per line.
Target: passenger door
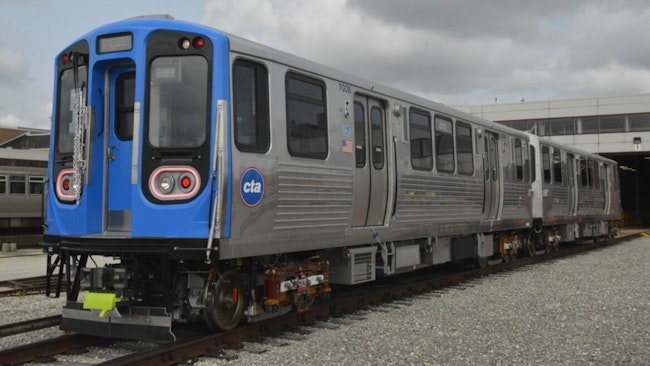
371	169
120	147
573	187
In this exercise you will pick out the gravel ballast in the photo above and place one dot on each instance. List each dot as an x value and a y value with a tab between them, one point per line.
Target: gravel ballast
590	309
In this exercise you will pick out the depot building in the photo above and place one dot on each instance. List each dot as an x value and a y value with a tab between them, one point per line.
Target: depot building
615	127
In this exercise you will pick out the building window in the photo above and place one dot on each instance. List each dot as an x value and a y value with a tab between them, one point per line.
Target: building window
251	106
562	127
306	117
420	133
3	184
639	122
588	125
612	124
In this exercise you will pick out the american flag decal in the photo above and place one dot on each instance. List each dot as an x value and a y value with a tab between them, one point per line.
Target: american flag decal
346	146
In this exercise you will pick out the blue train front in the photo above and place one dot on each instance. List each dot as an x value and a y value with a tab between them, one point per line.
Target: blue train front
139	172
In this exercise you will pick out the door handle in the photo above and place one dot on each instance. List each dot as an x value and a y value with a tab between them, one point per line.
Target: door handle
110	154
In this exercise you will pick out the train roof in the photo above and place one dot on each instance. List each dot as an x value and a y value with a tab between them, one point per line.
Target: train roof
257	50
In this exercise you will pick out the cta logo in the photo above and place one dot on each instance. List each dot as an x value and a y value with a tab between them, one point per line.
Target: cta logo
251	187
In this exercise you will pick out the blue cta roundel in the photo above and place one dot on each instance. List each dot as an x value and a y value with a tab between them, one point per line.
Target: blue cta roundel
251	187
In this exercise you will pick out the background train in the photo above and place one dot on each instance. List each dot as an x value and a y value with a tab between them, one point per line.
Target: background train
22	182
233	181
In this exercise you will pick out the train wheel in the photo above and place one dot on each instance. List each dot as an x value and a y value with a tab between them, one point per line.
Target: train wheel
303	301
224	303
529	245
482	262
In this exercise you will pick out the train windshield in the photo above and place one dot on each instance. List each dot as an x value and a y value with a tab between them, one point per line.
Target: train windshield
68	89
178	101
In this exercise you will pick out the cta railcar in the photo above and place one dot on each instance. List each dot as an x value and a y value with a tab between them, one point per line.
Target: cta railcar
22	182
232	181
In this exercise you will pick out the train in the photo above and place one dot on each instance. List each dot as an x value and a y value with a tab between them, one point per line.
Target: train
22	183
231	182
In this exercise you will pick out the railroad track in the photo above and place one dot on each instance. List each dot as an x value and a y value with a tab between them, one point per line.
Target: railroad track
24	238
361	298
26	286
29	325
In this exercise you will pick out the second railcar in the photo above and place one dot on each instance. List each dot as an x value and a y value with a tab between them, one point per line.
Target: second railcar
22	183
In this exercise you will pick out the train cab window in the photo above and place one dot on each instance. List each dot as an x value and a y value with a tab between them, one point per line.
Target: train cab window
3	184
359	135
124	100
251	106
519	165
17	184
306	117
557	167
178	102
420	134
444	145
36	185
546	164
69	86
464	151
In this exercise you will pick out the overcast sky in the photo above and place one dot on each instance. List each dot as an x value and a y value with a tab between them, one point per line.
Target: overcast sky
456	52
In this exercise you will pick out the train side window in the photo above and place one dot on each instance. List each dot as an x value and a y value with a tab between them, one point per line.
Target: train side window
359	135
546	164
584	173
557	167
36	185
3	184
17	184
377	137
464	152
519	165
251	106
306	117
420	133
444	145
533	161
595	169
526	161
124	101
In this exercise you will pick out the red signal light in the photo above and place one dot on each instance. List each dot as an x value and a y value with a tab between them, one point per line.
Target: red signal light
65	59
186	182
66	184
198	43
